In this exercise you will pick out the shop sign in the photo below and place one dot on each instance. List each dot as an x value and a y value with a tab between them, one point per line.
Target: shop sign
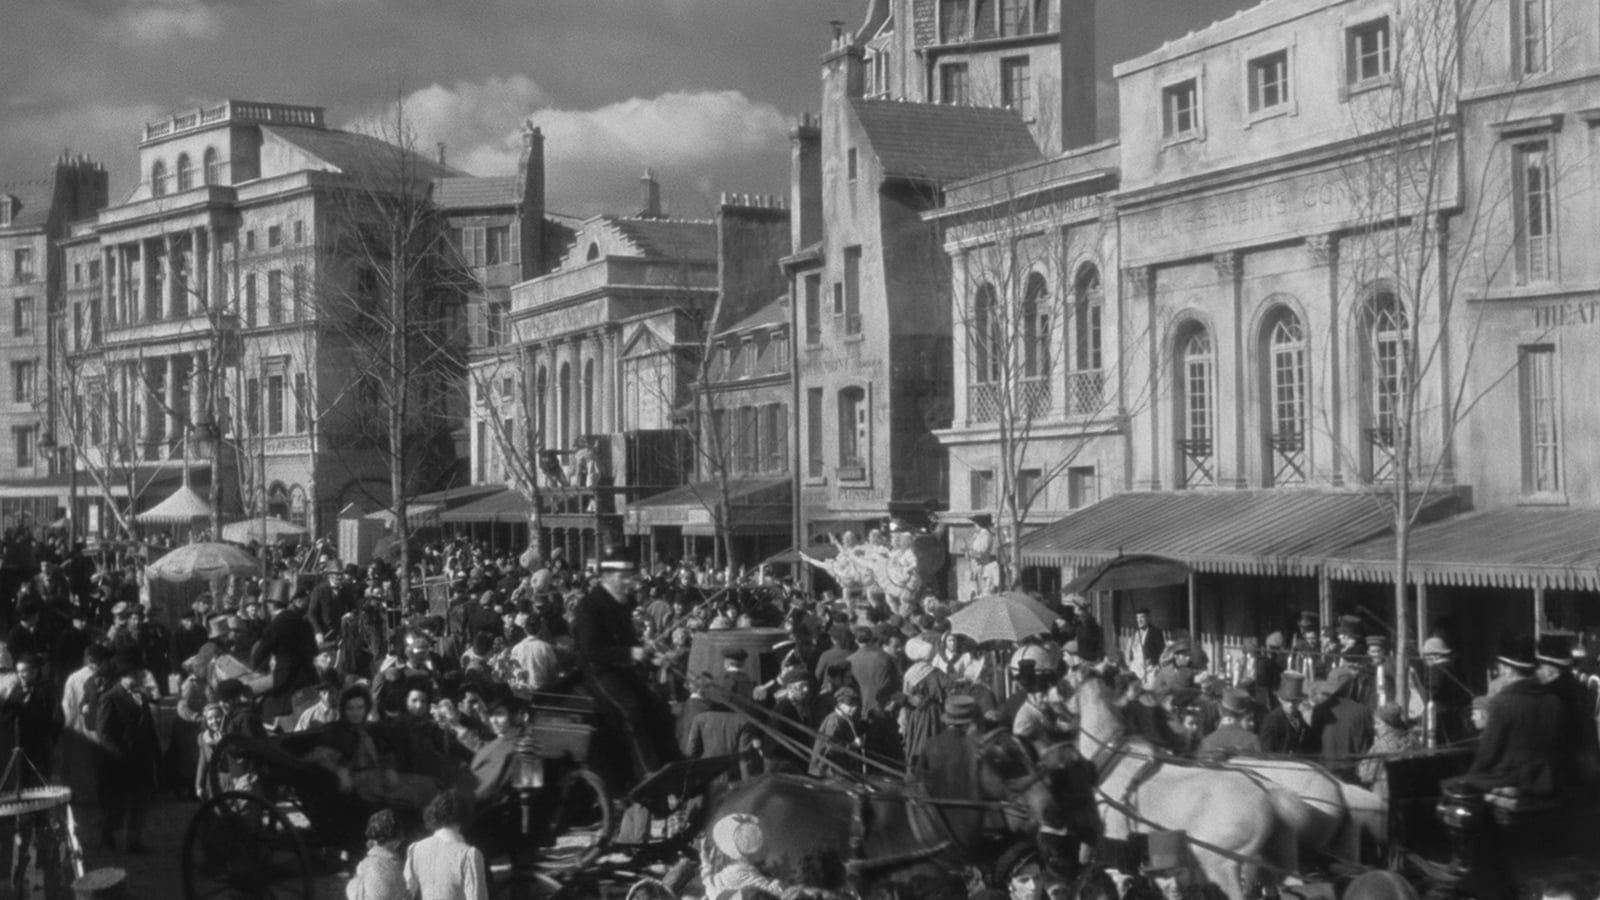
1560	315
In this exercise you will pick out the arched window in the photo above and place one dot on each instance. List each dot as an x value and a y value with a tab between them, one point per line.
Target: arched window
185	172
1196	407
213	166
158	178
1036	327
1285	416
1385	376
1086	381
988	344
564	406
588	397
593	254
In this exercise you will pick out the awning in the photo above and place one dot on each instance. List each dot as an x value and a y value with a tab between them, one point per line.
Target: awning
757	505
428	507
505	505
1522	547
183	506
1258	532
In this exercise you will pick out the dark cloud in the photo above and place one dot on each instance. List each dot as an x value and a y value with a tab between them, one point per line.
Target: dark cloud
702	90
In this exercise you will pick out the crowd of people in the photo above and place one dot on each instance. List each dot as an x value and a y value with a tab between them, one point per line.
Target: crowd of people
423	705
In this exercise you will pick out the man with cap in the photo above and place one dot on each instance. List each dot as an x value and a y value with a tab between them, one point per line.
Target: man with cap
843	643
875	671
608	656
1446	693
793	716
737	682
1090	634
841	740
1525	744
1285	729
1178	672
948	761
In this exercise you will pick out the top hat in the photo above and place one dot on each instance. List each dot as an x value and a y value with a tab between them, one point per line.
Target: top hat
1518	652
1555	648
1292	687
736	654
960	709
1350	626
615	560
1235	703
217	626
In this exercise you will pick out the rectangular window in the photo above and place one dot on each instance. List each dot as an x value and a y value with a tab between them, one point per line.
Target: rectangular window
983	19
854	440
274	404
94	271
777	439
302	403
274	235
250	300
22	264
1541	419
275	297
1368	52
814	460
850	163
1081	489
1030	489
497	241
23	439
298	289
1180	109
22	316
250	240
1016	87
1535	214
953	85
952	21
747	441
299	231
852	290
1530	28
77	273
1014	17
778	353
1269	81
252	405
981	489
472	246
22	381
495	323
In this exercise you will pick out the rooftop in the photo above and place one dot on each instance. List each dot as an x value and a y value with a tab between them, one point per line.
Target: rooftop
356	154
669	238
942	143
232	111
32	208
471	192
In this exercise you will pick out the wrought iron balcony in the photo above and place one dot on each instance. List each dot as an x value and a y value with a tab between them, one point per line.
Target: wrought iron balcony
1199	463
1085	392
1288	458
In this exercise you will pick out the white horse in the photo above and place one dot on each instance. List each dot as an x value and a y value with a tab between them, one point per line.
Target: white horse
1235	820
1341	814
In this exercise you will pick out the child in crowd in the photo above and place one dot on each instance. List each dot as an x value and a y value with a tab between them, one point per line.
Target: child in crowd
381	874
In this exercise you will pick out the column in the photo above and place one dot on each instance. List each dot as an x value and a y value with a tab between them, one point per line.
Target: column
174	420
1323	253
1230	270
1139	283
108	277
169	285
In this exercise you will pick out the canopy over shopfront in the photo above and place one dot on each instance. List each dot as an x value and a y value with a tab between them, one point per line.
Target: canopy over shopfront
755	506
1258	532
1517	547
425	509
502	506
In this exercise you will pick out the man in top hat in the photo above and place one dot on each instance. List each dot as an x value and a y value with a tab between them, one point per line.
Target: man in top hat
1286	729
327	604
1554	656
1170	865
1341	726
1233	734
608	656
1525	744
128	754
288	649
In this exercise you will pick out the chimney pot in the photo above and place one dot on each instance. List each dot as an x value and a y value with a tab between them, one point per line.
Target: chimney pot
441	153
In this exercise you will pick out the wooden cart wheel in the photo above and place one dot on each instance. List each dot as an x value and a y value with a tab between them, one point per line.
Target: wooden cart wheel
581	823
240	847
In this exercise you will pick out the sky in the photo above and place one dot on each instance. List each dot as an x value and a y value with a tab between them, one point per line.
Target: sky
702	91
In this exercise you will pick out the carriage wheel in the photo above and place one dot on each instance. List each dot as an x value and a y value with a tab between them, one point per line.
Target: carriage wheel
581	823
240	847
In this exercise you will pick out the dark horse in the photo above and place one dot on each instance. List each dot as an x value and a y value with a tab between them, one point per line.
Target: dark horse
893	839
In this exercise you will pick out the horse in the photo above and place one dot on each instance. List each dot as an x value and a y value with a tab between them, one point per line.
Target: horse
885	838
1235	821
1341	814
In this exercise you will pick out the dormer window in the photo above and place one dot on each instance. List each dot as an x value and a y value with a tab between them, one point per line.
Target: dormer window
8	210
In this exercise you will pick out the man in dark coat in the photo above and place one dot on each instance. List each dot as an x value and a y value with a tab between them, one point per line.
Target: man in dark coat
1554	656
1284	729
719	730
129	753
30	719
608	652
1341	726
734	678
793	716
326	606
1143	654
876	674
1526	743
289	648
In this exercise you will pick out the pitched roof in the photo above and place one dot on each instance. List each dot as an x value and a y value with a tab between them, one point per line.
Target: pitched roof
942	143
33	202
1522	546
669	238
471	192
352	153
773	313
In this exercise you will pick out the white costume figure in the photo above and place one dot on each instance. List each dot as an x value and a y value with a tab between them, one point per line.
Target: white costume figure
902	576
983	558
849	567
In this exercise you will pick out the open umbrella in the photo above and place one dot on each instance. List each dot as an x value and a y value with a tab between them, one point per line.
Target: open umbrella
183	506
203	560
266	531
1135	570
1007	616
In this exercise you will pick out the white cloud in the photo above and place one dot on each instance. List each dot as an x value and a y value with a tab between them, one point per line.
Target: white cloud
155	21
699	141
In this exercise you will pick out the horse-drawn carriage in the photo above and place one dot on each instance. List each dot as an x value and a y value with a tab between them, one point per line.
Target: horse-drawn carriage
554	819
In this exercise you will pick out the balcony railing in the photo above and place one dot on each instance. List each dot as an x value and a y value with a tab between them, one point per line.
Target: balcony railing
1085	392
1199	463
1383	460
1033	400
1288	458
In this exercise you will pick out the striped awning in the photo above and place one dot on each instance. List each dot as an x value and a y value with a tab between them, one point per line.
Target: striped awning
504	505
1520	547
1252	532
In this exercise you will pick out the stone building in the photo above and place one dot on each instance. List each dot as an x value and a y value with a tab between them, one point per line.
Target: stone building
35	215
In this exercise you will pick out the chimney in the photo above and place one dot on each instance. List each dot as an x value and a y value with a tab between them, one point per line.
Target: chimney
441	153
530	191
650	195
1078	112
805	182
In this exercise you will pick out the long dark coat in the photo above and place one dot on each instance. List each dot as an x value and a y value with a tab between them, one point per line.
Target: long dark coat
1527	744
129	750
290	645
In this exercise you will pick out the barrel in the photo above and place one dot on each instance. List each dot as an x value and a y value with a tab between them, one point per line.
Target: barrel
705	652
